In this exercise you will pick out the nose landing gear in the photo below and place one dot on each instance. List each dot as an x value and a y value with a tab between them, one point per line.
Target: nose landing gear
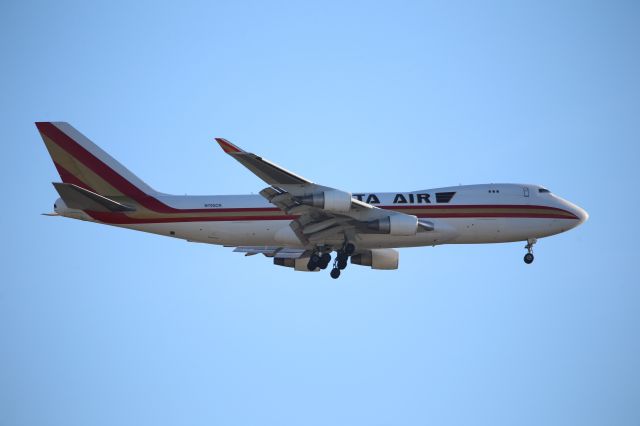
528	258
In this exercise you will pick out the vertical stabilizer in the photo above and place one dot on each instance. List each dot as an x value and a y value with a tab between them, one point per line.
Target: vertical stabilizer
81	162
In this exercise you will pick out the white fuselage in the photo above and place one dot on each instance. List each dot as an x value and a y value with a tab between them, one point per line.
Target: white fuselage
475	214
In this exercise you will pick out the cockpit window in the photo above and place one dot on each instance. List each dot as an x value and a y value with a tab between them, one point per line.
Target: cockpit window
543	191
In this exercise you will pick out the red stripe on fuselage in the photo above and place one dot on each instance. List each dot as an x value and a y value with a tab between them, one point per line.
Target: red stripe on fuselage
494	215
469	206
120	218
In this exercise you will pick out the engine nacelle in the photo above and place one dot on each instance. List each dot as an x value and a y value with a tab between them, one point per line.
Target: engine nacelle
299	265
399	225
333	201
387	259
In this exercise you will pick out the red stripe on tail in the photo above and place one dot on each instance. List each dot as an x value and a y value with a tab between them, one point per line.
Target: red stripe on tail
68	177
116	180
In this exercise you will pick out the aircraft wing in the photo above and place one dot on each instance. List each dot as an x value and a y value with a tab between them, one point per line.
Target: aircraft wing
314	224
264	169
325	215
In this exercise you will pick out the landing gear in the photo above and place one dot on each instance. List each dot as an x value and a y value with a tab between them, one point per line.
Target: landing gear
341	260
349	249
335	273
314	262
528	258
339	265
325	259
319	261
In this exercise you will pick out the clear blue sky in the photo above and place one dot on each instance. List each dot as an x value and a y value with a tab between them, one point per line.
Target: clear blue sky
104	326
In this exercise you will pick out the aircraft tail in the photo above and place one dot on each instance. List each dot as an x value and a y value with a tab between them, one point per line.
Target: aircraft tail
82	163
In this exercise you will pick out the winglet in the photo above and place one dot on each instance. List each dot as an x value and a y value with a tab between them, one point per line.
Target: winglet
264	169
228	147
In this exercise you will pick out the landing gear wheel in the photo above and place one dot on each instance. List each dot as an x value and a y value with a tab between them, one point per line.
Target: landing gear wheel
349	249
325	259
335	273
528	258
342	264
341	260
315	262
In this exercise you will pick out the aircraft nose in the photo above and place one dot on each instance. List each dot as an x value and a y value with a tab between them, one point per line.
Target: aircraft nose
581	213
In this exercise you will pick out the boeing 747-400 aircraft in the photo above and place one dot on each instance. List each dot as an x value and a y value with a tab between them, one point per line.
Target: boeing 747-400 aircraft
296	222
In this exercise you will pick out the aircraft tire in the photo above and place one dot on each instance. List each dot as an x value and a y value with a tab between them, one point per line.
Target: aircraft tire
325	259
349	249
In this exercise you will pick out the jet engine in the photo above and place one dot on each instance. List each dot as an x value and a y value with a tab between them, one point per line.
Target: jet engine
399	225
377	258
332	200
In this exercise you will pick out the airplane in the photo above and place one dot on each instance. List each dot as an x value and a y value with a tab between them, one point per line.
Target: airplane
298	223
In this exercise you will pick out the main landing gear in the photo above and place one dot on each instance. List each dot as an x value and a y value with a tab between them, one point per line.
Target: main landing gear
342	260
320	259
335	273
528	258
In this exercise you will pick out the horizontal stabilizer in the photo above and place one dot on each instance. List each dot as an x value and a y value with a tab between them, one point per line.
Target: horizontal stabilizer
79	198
